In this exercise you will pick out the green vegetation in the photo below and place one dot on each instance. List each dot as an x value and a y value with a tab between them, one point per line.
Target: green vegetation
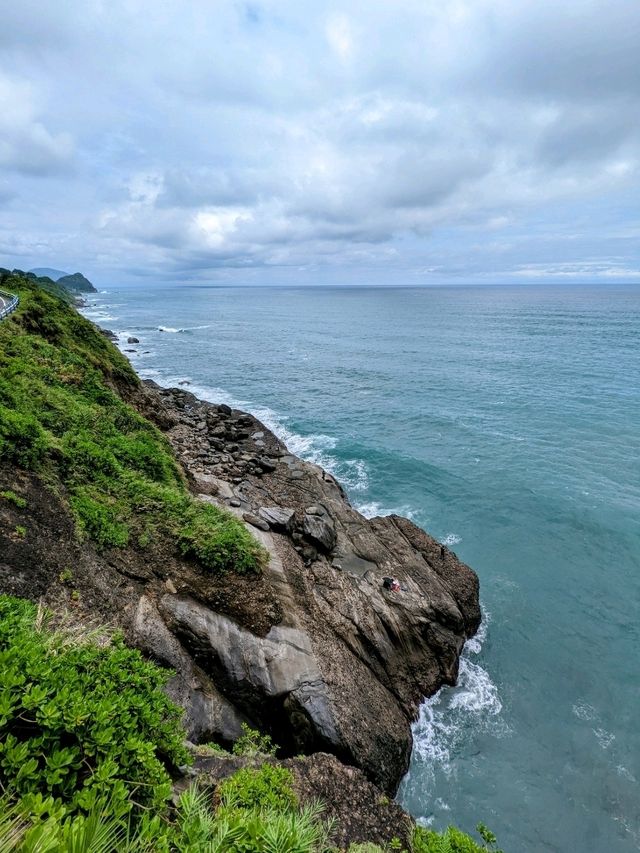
89	743
252	744
265	787
62	413
453	840
81	721
13	498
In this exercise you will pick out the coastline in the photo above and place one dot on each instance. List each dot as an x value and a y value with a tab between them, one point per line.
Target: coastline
302	515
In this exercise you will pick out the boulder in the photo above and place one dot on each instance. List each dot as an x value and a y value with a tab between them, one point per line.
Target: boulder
319	528
278	518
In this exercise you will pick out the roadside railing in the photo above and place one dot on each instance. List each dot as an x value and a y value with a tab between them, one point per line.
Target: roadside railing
8	304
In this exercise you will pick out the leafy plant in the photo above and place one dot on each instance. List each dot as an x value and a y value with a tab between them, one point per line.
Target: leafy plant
453	840
265	787
252	743
81	722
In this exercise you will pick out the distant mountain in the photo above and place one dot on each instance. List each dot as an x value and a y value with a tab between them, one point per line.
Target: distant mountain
76	283
54	275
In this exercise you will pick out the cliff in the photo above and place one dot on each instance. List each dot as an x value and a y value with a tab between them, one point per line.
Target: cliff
307	645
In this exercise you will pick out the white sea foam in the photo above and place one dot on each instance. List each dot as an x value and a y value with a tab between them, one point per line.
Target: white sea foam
604	738
169	329
584	711
451	539
446	719
373	509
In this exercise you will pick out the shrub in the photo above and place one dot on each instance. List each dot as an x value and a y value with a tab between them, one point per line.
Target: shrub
13	498
98	521
82	722
248	830
22	439
265	787
453	840
251	743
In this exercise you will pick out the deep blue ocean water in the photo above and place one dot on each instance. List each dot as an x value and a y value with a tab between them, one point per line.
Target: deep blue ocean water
506	421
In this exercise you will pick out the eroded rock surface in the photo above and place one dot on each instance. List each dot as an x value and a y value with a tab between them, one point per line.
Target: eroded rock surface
347	663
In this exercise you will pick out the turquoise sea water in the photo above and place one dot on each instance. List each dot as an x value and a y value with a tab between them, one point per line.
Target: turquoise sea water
506	421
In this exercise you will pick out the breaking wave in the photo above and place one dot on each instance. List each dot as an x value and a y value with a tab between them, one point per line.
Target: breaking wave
446	720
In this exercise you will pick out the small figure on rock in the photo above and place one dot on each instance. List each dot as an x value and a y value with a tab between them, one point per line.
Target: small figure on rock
392	584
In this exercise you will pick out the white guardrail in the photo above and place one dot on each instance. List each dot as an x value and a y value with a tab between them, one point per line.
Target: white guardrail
8	303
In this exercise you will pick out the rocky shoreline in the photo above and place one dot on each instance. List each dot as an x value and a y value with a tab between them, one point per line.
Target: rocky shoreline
314	651
328	659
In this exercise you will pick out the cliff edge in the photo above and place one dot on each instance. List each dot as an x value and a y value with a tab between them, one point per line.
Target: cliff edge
313	649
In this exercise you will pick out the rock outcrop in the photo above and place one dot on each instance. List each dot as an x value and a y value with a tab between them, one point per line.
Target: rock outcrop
346	663
315	651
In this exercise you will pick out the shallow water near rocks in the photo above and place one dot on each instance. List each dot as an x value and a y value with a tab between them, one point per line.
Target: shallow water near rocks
506	421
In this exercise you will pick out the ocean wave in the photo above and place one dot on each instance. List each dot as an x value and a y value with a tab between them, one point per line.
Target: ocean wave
374	509
169	329
447	719
451	539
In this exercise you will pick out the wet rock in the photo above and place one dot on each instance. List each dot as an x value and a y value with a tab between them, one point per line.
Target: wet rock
132	340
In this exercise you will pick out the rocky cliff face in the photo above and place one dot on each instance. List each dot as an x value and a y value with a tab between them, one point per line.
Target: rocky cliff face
316	651
338	663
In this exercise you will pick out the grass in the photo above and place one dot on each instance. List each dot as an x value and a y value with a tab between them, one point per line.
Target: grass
63	415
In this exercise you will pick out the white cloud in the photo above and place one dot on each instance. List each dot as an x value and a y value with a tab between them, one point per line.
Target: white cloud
290	133
26	145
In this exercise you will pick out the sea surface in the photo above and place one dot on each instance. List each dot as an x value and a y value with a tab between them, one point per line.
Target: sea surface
506	421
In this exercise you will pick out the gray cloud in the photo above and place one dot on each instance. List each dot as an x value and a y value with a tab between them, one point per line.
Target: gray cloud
409	141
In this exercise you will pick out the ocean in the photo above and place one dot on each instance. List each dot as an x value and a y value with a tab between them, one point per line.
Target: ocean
505	421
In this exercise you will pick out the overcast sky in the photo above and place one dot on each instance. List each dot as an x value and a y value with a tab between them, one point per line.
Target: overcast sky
399	142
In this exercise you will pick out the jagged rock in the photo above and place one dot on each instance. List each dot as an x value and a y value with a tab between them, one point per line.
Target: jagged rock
266	464
314	650
318	526
278	518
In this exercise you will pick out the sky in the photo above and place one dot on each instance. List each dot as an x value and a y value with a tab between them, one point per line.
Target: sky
298	142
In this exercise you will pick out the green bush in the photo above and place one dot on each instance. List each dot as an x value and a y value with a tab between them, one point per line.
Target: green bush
453	840
60	414
265	787
82	722
252	743
22	439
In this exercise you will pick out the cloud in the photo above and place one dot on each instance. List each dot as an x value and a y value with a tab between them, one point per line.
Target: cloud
416	139
26	145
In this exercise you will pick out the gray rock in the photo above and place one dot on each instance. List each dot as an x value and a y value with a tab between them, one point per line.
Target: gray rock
133	340
278	518
260	523
320	529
